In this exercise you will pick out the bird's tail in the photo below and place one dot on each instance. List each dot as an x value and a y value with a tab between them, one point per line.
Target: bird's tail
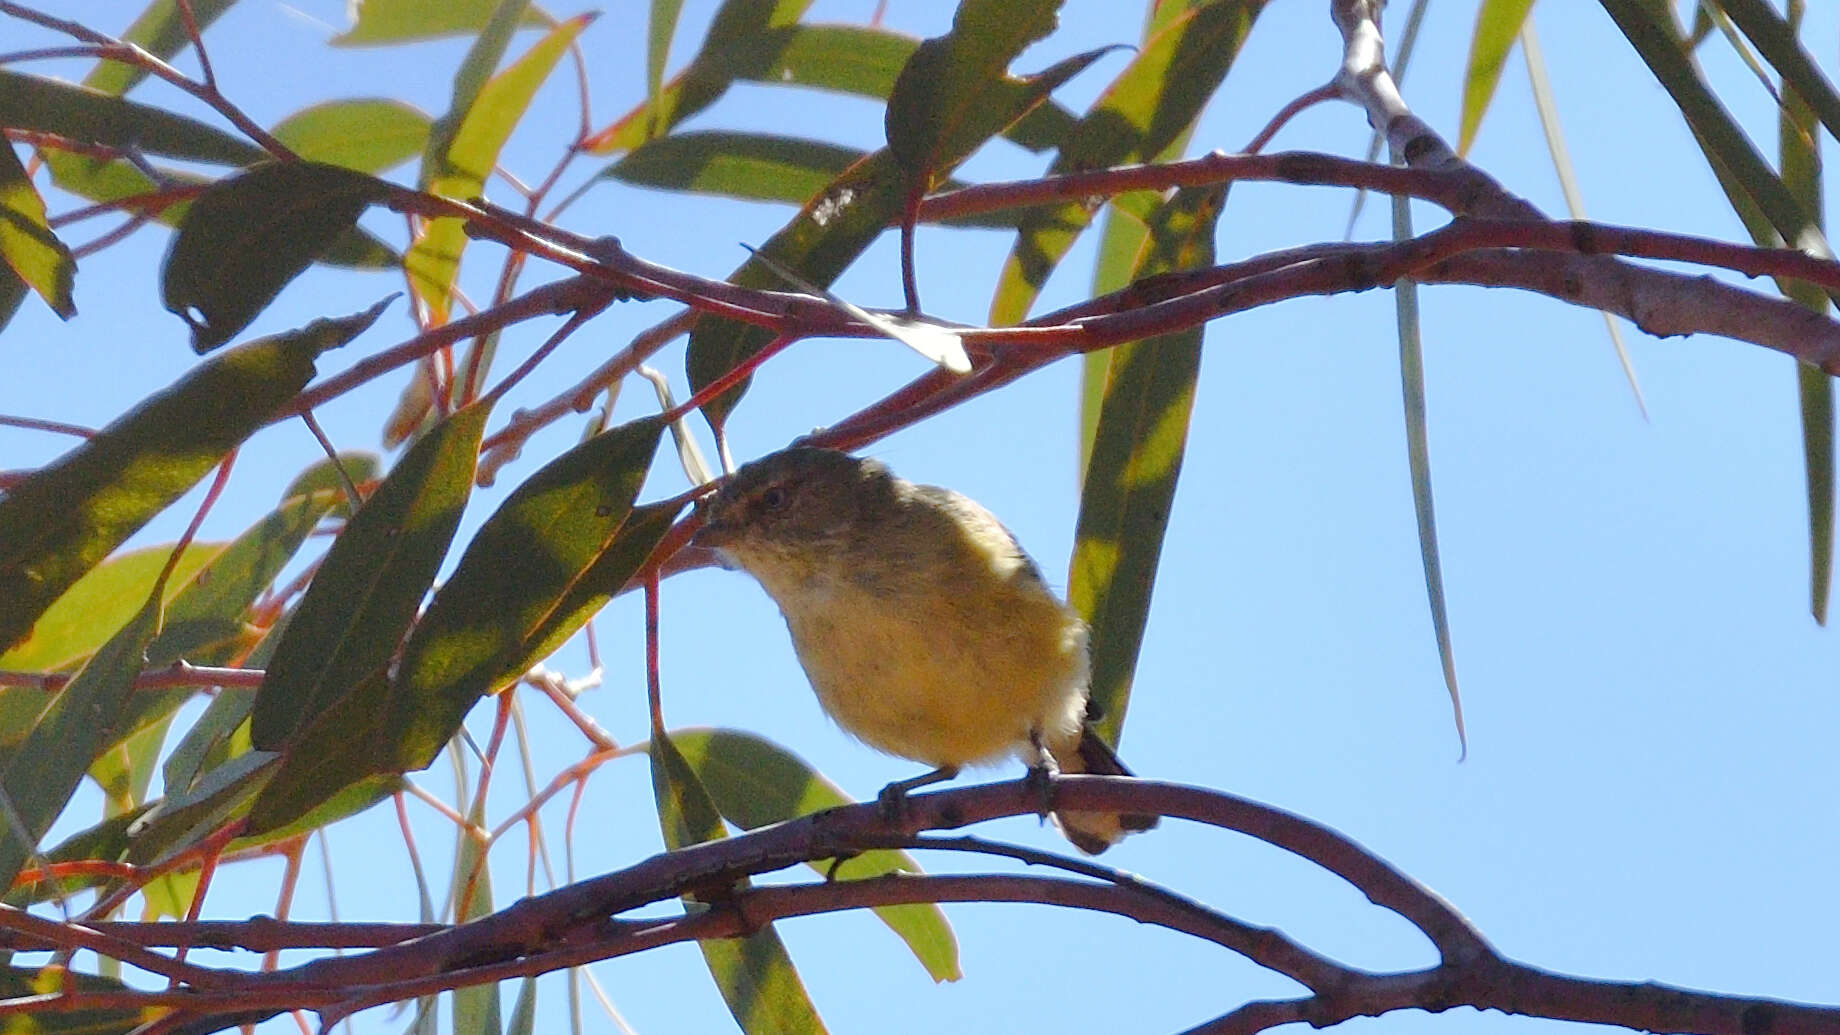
1094	832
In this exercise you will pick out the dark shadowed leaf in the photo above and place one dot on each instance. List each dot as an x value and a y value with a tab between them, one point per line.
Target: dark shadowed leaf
564	542
354	615
755	974
27	245
736	165
948	79
93	117
21	982
755	783
744	36
1139	438
70	514
249	235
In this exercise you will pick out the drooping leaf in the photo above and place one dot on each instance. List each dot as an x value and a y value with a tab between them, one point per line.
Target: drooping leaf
563	543
94	117
1418	459
1152	102
249	235
27	245
384	22
42	775
70	514
837	224
160	30
754	974
1139	438
1801	173
1498	24
365	134
754	783
1771	211
360	603
456	165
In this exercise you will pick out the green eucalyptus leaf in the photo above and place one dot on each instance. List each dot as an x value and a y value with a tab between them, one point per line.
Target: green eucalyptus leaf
249	235
68	515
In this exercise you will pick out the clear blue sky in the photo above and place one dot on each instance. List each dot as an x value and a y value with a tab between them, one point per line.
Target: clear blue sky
1650	791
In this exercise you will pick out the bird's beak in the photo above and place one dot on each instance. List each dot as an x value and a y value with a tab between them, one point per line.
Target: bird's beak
714	534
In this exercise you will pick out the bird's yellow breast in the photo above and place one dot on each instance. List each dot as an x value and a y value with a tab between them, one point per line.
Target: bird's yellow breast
949	671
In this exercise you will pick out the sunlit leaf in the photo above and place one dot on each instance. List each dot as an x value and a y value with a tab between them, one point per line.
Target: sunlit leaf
1498	24
381	22
755	974
754	783
160	30
367	134
27	245
456	166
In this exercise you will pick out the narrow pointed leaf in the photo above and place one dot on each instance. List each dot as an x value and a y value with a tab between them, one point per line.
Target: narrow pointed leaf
837	224
160	30
94	117
42	775
660	28
1772	212
476	1010
558	548
353	616
70	514
754	974
252	233
753	166
1801	172
1418	455
754	783
1498	23
1152	102
365	134
457	166
1138	443
1776	39
27	245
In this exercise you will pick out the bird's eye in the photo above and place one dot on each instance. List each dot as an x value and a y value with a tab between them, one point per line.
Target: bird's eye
773	497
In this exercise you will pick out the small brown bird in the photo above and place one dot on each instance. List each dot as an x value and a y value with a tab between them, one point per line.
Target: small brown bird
925	629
